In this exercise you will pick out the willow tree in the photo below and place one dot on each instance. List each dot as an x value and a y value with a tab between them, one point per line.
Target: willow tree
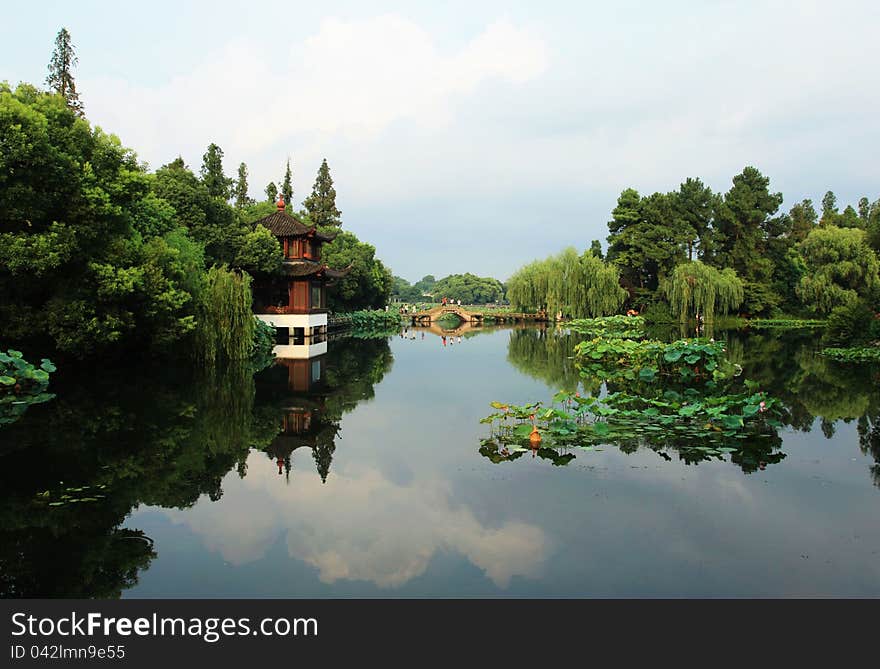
695	289
226	323
568	284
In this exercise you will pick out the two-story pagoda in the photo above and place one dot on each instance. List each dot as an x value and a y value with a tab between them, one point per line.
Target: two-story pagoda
296	301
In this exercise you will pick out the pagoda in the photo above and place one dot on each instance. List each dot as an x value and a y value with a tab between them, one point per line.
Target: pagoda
296	300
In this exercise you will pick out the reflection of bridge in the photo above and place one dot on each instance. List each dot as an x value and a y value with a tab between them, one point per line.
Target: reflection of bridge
435	314
474	317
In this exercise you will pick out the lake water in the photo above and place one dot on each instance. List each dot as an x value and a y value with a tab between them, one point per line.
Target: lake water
359	474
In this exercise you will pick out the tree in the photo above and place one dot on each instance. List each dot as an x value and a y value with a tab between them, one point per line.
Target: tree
367	285
803	220
575	285
212	173
287	185
271	192
841	268
89	257
61	66
864	211
240	193
647	238
321	204
226	321
469	288
596	248
749	235
694	205
228	237
695	289
829	209
849	219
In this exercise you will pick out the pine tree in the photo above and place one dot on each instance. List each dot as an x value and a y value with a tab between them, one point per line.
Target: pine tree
803	220
321	204
864	210
271	192
287	185
212	172
829	209
61	65
241	188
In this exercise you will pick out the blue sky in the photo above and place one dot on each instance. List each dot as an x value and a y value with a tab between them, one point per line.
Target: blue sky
477	136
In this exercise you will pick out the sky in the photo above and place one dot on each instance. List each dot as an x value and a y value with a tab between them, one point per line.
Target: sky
478	136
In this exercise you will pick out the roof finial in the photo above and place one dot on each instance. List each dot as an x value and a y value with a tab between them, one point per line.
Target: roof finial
280	202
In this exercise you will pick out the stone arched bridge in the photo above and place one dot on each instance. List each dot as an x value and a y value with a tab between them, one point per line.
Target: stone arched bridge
435	314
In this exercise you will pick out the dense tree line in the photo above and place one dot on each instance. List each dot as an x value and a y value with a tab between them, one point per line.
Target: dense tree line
98	255
467	287
795	262
693	252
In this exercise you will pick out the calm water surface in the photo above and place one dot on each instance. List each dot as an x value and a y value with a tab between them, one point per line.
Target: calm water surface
361	475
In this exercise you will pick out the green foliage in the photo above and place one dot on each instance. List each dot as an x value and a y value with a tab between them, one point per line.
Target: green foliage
227	234
240	195
368	284
271	192
577	286
854	354
841	268
61	66
90	260
212	174
401	290
852	324
784	323
649	235
695	289
617	327
372	321
226	326
321	204
701	427
21	384
287	185
688	361
803	220
262	345
469	288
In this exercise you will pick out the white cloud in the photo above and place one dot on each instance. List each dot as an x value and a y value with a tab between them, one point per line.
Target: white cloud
335	526
351	78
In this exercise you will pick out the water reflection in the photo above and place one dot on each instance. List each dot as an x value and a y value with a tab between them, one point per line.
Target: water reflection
152	437
247	465
786	364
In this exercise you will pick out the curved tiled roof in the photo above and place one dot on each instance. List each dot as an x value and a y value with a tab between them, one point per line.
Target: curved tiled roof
282	224
310	268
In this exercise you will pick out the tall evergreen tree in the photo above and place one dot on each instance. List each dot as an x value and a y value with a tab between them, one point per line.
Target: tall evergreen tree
748	233
803	219
596	248
829	209
321	204
287	184
694	205
240	192
271	191
647	238
212	172
864	211
61	65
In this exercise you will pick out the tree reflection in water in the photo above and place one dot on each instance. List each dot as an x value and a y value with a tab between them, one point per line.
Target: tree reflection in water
74	468
786	364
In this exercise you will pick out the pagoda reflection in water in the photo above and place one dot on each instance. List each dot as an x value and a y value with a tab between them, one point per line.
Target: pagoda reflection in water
309	389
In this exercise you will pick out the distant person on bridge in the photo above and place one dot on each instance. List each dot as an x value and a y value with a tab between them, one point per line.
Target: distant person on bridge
459	302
